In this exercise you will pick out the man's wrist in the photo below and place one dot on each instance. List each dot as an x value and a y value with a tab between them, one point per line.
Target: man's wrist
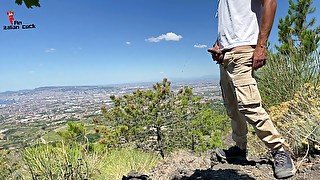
262	45
262	42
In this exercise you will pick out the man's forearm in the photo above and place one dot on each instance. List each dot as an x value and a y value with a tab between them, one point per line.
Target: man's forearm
268	13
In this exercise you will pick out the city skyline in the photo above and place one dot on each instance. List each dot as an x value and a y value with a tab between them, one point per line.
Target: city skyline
79	43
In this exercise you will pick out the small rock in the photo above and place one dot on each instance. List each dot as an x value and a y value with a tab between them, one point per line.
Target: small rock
262	166
315	167
308	171
136	176
304	170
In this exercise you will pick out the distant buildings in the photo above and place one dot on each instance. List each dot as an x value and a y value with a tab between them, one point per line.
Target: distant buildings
60	103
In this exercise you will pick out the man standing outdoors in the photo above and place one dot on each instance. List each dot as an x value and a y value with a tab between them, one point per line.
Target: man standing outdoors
241	47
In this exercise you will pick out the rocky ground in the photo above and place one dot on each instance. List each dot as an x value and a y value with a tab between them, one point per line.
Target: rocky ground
184	165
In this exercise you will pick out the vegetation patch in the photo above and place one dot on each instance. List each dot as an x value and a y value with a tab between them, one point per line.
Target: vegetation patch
161	120
122	161
299	120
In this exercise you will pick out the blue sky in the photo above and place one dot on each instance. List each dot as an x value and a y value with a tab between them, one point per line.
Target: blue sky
78	42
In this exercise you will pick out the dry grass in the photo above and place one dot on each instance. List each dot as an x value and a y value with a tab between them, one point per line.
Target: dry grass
121	162
62	162
290	88
299	120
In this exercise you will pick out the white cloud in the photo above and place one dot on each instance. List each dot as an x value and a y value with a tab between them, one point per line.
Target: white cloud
170	36
50	50
31	72
128	43
200	46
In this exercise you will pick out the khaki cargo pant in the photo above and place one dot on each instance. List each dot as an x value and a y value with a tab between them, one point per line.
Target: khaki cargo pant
242	99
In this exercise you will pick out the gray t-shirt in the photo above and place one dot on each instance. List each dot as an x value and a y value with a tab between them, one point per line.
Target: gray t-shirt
238	22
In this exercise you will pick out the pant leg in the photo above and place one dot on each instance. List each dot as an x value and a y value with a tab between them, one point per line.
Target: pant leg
238	66
238	121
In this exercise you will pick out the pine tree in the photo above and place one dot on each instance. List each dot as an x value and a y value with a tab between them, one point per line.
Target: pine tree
296	32
162	120
152	119
29	3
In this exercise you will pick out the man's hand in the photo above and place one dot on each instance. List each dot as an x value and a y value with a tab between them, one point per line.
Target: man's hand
216	53
267	17
259	57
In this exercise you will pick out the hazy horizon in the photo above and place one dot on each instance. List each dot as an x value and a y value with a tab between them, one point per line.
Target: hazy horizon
174	80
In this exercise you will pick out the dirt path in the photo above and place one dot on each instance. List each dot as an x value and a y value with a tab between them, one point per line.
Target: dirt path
184	165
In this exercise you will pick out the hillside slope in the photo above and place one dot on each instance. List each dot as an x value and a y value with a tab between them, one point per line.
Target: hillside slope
183	165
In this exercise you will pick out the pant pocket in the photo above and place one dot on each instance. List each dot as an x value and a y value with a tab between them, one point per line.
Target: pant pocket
247	92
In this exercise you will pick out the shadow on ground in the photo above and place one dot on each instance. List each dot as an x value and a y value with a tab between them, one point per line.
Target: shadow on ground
250	163
210	174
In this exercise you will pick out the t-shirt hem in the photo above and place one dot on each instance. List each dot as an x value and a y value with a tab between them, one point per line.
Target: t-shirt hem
237	45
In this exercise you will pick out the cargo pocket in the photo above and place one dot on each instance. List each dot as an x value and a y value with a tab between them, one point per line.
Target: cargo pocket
247	92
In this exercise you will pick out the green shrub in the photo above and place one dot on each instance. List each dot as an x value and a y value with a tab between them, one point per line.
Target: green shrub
208	128
299	120
121	162
75	132
161	120
289	86
284	75
10	165
62	161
